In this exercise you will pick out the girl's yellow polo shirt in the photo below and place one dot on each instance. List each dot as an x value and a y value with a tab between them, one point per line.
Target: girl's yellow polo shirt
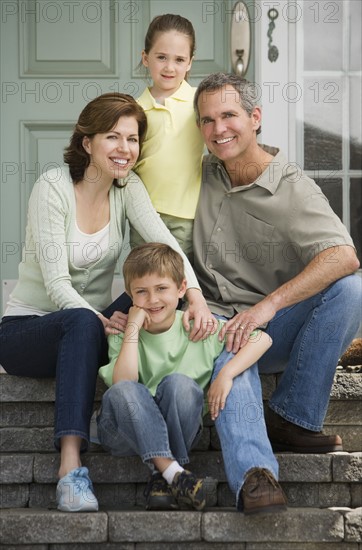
171	155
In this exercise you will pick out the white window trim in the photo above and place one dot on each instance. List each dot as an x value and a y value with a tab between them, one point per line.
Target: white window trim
273	78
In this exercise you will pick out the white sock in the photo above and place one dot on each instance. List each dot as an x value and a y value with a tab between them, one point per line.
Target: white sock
171	471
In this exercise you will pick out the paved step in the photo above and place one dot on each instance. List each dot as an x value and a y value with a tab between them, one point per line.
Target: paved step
295	529
308	480
28	403
29	464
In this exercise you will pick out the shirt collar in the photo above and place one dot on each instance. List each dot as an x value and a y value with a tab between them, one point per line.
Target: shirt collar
184	93
272	175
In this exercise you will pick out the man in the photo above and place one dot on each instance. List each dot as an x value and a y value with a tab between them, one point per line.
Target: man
270	253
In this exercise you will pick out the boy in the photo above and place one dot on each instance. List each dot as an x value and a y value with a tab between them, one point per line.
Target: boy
157	376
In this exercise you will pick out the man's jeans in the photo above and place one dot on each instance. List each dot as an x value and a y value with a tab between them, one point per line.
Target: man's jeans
308	339
133	422
69	345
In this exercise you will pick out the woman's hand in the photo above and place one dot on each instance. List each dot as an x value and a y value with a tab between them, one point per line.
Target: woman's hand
116	324
198	310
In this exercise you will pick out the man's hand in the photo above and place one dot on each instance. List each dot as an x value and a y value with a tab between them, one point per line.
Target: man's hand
325	268
239	328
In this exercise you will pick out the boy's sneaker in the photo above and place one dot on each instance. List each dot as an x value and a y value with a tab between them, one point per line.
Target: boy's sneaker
75	492
159	495
192	491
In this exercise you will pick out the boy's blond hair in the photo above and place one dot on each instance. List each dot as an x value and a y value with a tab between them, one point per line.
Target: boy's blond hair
150	258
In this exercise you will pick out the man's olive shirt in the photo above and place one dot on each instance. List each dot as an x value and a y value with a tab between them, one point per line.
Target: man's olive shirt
249	240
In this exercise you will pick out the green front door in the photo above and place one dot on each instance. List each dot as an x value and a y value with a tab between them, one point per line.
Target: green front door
58	55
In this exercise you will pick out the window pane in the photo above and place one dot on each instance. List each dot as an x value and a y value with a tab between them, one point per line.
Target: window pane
332	188
355	124
323	28
356	214
323	124
355	35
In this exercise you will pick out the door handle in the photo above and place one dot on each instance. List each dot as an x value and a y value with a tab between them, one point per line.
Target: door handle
240	39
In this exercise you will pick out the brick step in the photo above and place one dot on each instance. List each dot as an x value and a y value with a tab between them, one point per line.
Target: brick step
27	412
308	480
296	529
39	436
346	386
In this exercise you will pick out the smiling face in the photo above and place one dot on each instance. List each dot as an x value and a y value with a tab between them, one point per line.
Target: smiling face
168	61
228	130
114	153
158	296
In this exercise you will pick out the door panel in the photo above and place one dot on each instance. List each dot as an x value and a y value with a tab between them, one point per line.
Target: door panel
61	38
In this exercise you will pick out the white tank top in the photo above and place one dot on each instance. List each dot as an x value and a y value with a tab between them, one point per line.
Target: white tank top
86	249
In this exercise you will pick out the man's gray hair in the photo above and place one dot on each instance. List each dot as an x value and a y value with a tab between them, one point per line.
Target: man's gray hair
247	91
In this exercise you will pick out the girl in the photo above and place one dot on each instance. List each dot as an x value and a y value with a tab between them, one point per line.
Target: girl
170	161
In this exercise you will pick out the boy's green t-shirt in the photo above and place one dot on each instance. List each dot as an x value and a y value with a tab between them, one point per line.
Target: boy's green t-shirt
162	354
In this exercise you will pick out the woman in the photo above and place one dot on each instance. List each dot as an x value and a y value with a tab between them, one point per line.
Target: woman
58	315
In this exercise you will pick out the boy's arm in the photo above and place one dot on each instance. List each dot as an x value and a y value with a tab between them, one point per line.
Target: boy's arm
126	366
259	342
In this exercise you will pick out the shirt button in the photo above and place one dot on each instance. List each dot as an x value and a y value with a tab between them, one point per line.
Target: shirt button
82	286
218	229
210	266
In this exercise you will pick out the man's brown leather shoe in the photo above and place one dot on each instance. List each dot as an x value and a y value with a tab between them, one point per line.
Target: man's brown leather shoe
286	436
261	493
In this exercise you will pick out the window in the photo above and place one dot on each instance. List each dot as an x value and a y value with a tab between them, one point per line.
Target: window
328	119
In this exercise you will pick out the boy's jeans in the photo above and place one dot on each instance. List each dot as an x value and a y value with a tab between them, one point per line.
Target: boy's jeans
308	339
133	422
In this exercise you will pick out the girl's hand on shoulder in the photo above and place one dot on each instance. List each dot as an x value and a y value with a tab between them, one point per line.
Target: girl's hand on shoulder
217	394
198	310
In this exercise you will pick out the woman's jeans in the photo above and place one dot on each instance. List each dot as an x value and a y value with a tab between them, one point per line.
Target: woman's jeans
69	345
133	422
308	340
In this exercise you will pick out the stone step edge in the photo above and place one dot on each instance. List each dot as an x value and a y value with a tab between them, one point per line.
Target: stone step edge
40	414
15	388
33	526
340	467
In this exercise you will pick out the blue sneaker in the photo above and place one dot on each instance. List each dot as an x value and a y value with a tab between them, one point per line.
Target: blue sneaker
75	492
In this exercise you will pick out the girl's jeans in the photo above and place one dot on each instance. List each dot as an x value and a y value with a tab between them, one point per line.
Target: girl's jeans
308	340
69	345
133	422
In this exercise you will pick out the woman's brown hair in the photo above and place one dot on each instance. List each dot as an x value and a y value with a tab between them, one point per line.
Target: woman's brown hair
99	116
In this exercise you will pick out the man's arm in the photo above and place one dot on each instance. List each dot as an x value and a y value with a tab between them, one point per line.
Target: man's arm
257	345
325	268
